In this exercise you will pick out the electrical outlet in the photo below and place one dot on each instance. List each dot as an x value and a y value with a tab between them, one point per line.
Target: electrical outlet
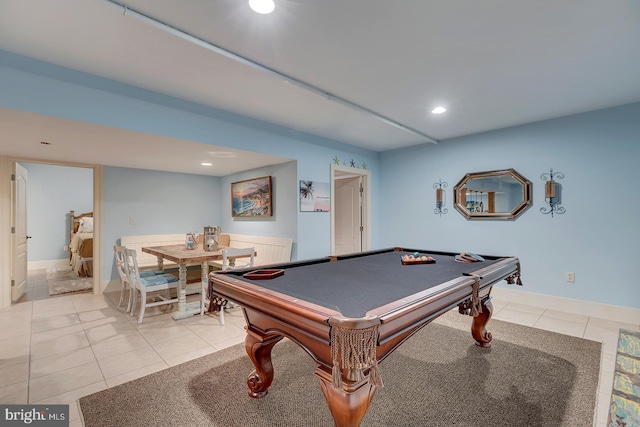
571	277
65	248
132	220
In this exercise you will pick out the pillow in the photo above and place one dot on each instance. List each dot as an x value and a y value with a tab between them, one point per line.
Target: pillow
86	225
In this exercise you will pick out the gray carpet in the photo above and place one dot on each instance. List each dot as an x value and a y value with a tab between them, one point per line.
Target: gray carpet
439	377
65	281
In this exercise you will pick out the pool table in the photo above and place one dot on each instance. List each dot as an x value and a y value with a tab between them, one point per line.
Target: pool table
350	312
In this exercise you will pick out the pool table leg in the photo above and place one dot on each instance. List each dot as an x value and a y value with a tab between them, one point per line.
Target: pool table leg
347	404
478	326
259	350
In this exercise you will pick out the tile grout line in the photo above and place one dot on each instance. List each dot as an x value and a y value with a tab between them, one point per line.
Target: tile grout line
125	316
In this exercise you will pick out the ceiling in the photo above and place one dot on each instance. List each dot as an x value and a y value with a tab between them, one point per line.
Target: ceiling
23	134
362	72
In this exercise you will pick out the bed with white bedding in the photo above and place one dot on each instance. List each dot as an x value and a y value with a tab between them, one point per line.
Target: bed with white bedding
81	243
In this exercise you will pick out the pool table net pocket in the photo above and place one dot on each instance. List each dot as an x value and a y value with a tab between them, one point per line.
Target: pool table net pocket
476	304
354	349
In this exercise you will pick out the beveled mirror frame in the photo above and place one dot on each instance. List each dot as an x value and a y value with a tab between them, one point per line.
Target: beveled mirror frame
459	196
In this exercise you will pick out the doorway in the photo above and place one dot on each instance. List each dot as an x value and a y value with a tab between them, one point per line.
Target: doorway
92	176
350	210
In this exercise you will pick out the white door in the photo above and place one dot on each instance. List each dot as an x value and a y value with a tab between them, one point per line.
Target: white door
19	232
348	215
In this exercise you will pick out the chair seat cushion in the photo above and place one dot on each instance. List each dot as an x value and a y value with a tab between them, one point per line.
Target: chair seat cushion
147	273
158	279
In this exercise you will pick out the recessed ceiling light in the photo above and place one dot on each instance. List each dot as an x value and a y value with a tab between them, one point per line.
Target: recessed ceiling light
206	164
438	110
262	6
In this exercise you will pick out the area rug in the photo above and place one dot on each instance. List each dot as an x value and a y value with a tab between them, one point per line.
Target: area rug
65	281
625	396
529	377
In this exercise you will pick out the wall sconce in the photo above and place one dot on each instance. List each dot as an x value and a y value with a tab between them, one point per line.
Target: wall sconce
440	198
552	193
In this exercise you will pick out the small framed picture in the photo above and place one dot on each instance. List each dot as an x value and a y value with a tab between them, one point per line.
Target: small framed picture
315	196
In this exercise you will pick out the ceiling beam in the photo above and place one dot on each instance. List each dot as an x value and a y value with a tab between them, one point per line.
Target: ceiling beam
126	11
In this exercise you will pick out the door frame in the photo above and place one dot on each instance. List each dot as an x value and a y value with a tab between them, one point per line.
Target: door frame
6	166
336	172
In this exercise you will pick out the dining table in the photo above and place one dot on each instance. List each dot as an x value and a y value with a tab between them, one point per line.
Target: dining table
182	256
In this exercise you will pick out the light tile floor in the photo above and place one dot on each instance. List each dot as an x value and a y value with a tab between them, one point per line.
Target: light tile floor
56	350
37	287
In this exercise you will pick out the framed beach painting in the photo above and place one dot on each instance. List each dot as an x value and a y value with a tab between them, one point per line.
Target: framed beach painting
315	196
251	197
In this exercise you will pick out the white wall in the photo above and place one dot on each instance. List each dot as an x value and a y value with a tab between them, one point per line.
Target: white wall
597	237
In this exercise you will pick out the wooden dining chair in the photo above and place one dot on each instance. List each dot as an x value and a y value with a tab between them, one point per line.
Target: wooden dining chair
124	278
232	259
147	285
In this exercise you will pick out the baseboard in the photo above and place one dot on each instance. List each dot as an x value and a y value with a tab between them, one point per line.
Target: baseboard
49	265
113	284
586	308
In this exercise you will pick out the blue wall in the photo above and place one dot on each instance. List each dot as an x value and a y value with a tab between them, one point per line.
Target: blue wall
597	237
284	192
39	87
52	192
175	203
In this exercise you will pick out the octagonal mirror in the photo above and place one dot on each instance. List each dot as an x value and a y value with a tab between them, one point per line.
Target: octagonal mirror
500	194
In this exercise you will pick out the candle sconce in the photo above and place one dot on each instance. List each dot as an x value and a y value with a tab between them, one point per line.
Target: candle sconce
552	192
440	198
